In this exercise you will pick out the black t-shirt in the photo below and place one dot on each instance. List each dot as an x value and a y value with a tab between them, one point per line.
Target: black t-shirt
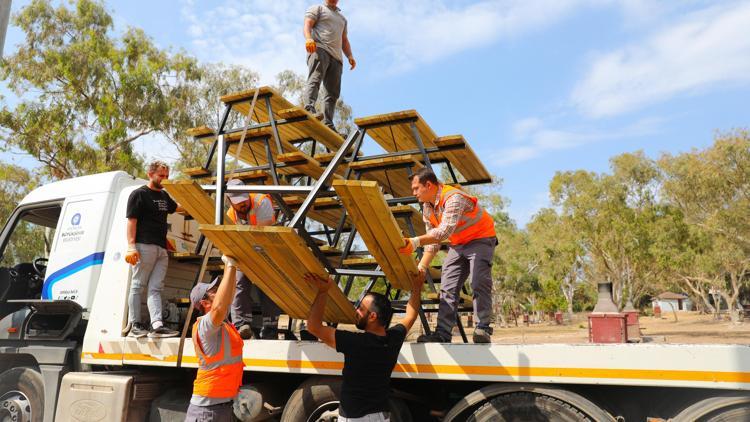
368	362
150	208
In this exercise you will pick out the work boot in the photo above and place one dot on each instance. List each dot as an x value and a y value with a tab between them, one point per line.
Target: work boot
433	338
482	335
138	330
246	332
163	332
269	333
318	116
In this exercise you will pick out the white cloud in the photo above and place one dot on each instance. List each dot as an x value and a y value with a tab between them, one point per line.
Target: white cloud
535	138
705	49
392	35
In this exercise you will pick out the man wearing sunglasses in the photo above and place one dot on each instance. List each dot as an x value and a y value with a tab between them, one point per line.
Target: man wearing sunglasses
369	357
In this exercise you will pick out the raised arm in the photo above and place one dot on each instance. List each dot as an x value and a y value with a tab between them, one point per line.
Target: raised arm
315	320
225	292
412	308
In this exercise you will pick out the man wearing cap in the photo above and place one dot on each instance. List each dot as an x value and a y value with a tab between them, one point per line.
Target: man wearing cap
255	210
218	347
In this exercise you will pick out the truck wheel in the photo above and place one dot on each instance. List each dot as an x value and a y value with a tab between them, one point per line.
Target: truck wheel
717	409
526	406
21	395
317	400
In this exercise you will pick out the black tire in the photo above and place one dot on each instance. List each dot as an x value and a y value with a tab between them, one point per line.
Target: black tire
314	400
22	389
317	399
528	407
717	409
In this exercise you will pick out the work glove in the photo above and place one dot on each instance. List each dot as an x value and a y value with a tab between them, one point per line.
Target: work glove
229	261
132	256
310	45
352	63
410	245
422	271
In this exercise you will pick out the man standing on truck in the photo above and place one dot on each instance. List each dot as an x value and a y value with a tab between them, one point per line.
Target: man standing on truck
369	357
452	214
325	30
218	347
256	210
147	211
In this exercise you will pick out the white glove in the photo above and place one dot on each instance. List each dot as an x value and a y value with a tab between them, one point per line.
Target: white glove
229	261
422	267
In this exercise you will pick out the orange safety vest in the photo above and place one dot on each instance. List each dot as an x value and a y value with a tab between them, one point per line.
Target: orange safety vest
475	224
220	375
256	200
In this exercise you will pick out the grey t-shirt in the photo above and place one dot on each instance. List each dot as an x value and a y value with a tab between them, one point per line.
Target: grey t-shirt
329	29
210	342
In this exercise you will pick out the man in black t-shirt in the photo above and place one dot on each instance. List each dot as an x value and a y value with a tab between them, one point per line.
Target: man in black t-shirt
369	357
148	207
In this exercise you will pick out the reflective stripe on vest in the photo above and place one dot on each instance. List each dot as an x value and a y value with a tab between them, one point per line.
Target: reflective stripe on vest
256	200
472	225
219	375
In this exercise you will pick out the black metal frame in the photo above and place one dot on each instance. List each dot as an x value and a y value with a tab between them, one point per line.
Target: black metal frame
347	154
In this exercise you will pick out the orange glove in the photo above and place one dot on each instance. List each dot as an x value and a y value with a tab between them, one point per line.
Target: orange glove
410	244
132	256
310	45
352	63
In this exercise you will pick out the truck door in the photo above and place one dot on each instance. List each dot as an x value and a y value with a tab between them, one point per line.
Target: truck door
25	247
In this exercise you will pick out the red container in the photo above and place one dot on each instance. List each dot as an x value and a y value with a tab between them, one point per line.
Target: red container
634	328
608	328
559	318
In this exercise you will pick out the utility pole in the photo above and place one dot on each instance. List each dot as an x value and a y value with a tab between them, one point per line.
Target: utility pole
4	16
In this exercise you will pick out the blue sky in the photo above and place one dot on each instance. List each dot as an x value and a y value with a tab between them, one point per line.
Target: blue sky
535	86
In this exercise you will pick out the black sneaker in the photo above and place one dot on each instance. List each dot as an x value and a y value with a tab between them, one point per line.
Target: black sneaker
269	333
307	336
138	330
162	332
482	335
433	338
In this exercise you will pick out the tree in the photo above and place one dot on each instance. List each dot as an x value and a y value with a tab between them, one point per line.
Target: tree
559	251
87	95
711	190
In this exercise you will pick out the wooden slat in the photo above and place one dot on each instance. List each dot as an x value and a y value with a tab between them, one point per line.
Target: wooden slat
397	136
278	259
192	198
196	171
310	127
256	177
200	131
376	225
464	160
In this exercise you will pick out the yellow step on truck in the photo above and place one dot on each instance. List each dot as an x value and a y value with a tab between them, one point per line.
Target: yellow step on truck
63	357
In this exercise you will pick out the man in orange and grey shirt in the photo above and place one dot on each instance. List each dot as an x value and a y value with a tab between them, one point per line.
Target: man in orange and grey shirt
452	214
218	347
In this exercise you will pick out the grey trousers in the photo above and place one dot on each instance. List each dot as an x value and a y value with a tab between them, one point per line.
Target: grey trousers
149	271
217	413
472	260
242	304
323	68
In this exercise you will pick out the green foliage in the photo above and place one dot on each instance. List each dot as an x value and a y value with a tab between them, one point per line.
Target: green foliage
87	95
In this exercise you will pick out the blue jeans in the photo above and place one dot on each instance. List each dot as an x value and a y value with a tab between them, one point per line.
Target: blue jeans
150	271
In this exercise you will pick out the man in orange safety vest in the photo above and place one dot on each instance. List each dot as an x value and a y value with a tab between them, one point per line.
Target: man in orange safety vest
218	347
452	214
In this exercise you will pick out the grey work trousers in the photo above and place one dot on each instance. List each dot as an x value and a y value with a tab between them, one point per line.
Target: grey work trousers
472	260
242	304
323	68
150	271
217	413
